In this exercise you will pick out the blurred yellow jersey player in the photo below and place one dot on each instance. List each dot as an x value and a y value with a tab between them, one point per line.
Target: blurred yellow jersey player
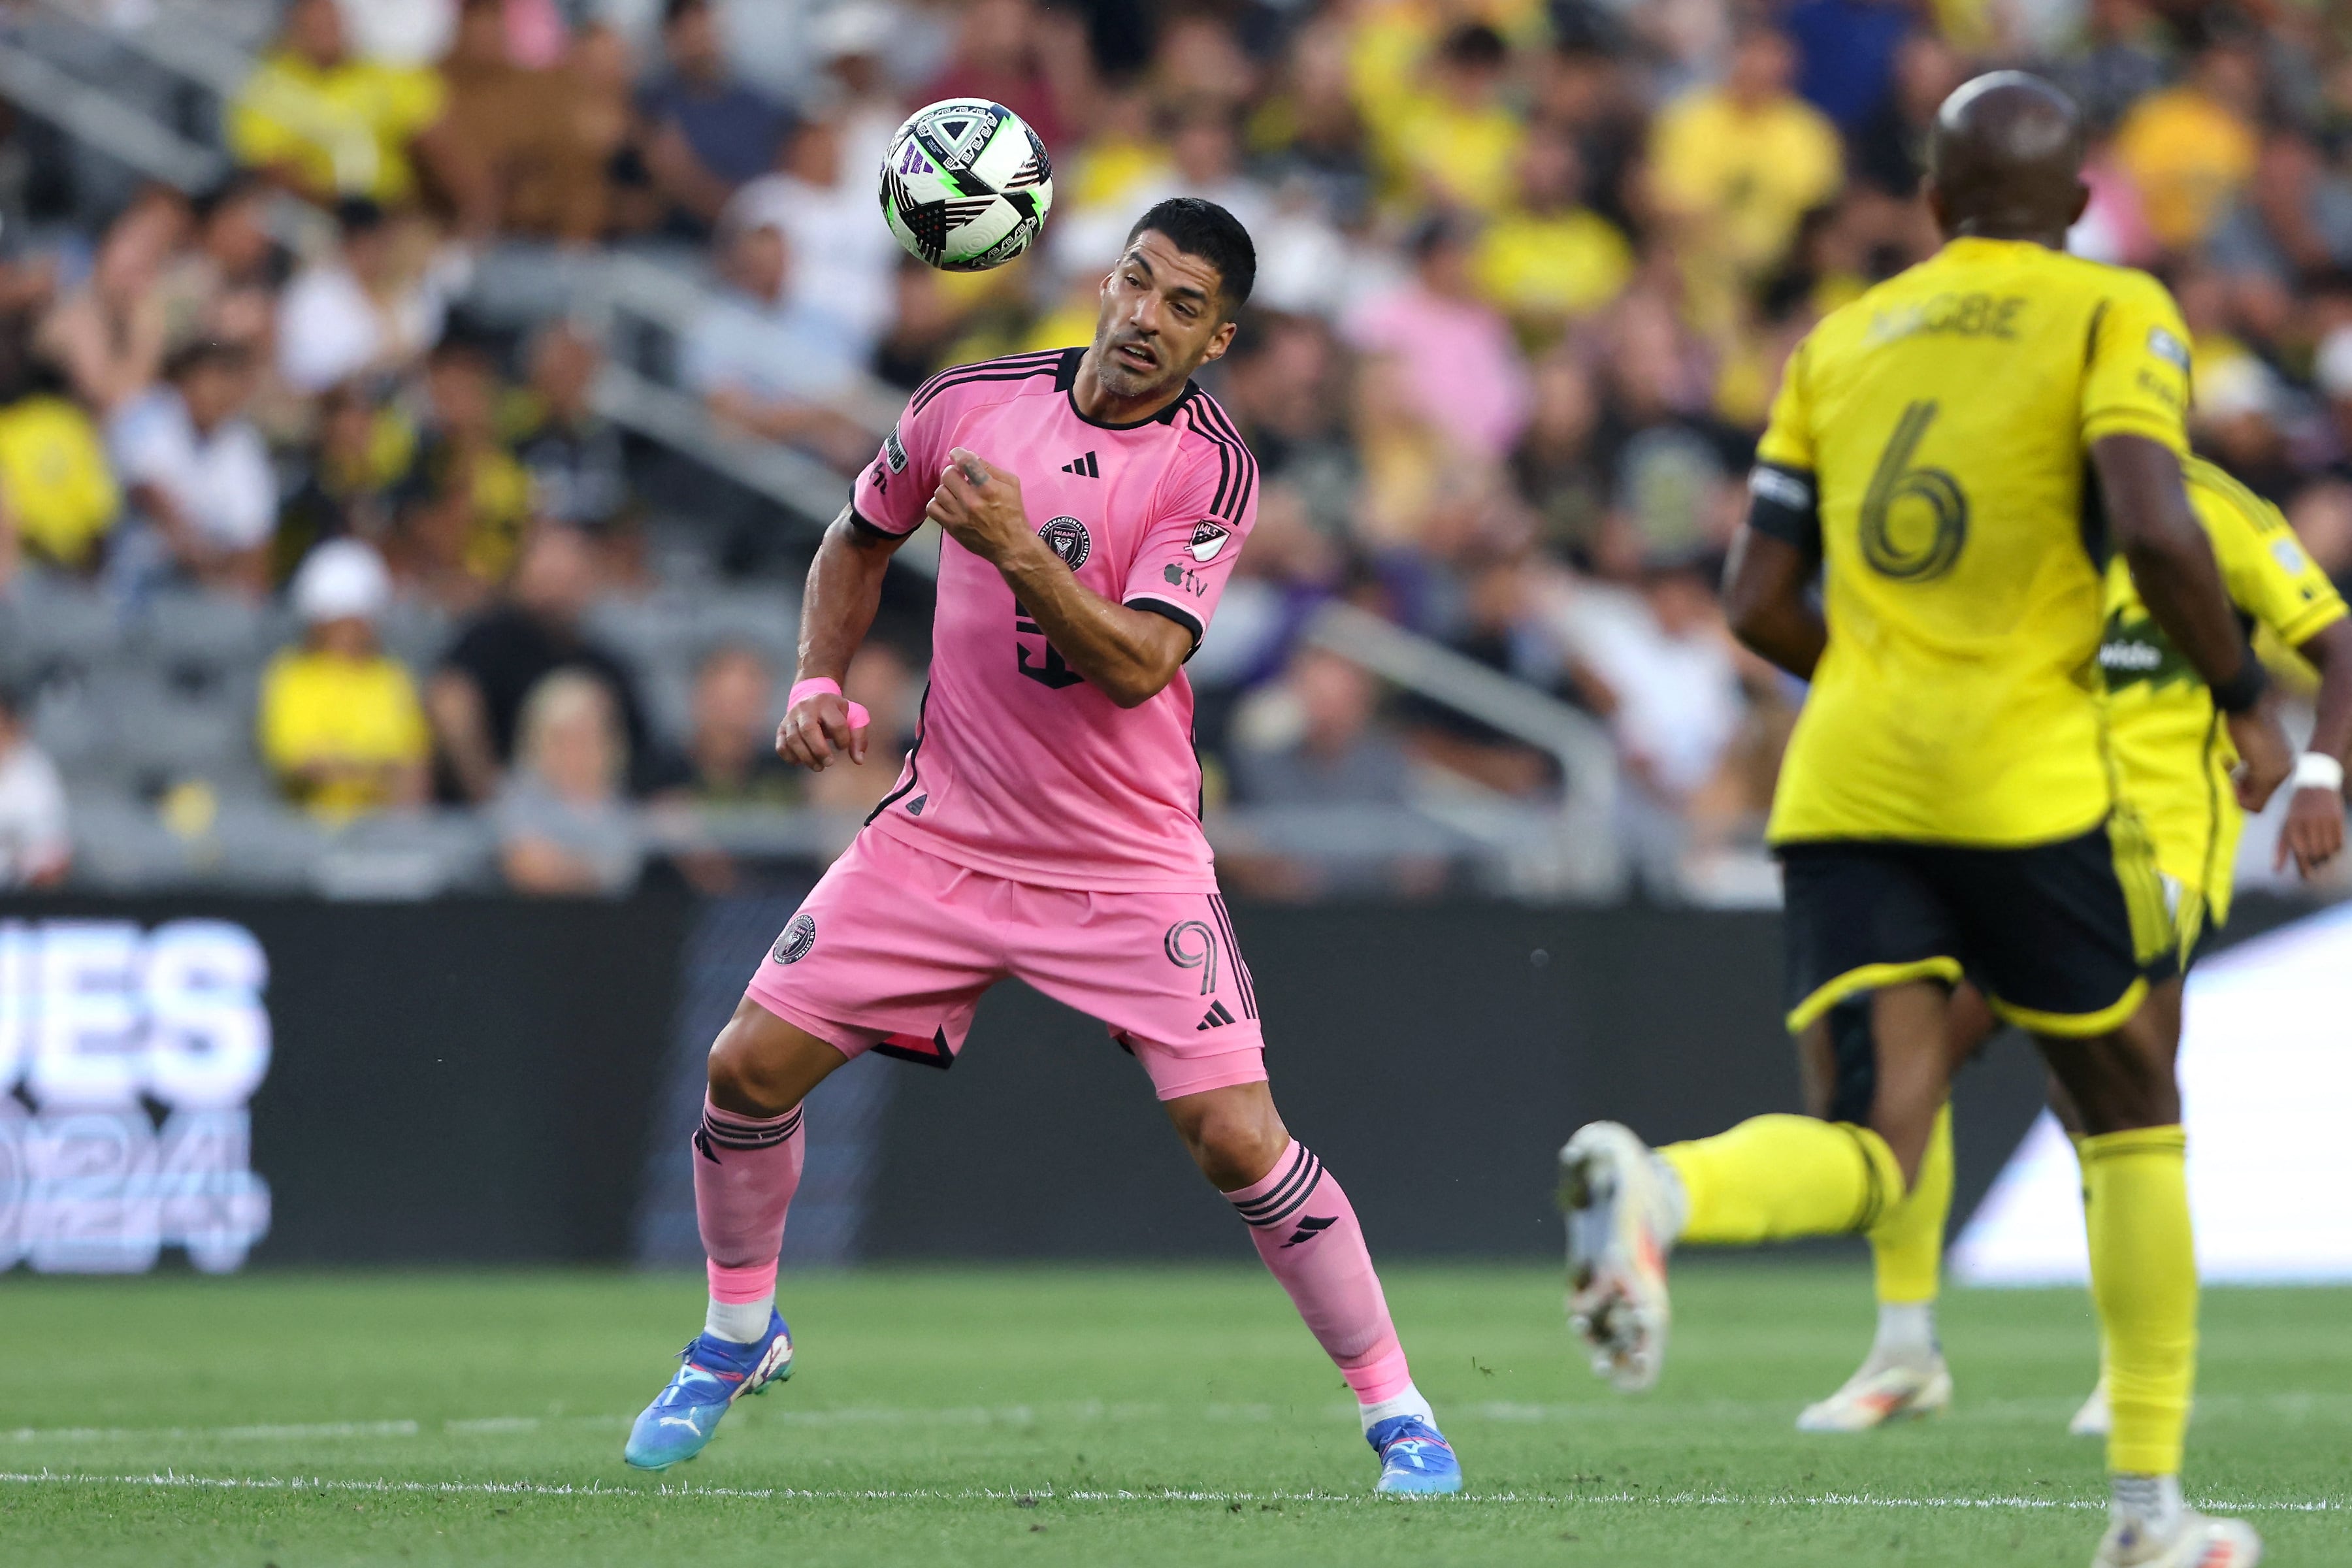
2173	757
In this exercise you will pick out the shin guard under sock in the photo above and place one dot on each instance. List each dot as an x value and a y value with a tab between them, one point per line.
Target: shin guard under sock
1307	1231
2144	1278
1773	1178
746	1169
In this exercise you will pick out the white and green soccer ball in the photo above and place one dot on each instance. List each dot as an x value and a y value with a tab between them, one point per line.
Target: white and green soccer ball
966	186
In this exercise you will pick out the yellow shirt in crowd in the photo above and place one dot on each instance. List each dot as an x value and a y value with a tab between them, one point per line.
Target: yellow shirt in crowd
1746	174
1547	265
2188	156
345	128
317	708
54	479
1460	156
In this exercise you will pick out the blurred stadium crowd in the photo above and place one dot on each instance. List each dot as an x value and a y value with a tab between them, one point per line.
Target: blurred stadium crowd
296	543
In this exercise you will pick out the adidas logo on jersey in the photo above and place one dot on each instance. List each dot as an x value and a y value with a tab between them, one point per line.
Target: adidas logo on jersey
1083	467
1216	1019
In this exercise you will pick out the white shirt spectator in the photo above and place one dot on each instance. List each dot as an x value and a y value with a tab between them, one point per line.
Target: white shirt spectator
222	481
328	330
795	351
410	33
1678	699
34	842
843	260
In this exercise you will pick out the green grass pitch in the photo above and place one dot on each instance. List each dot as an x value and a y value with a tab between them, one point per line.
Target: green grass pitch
948	1417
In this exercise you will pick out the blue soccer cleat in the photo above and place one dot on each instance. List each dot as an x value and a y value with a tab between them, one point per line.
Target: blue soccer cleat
1415	1457
712	1375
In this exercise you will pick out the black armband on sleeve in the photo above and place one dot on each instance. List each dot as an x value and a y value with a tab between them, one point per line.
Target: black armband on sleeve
872	530
1783	505
2242	690
1181	616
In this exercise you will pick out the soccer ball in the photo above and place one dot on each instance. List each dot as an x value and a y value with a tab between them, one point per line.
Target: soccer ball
966	184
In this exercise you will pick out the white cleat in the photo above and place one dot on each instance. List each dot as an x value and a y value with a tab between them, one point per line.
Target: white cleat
2201	1542
2093	1420
1881	1394
1618	1232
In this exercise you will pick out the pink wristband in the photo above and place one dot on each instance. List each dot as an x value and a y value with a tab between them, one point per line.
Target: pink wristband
826	686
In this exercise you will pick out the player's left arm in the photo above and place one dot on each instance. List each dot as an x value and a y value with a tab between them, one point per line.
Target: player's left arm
2315	817
2273	580
1127	654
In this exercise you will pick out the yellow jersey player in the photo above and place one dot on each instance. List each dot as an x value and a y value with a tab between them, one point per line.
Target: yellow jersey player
2173	763
1945	807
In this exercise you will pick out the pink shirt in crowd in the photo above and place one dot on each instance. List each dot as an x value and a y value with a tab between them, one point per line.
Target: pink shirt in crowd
1460	360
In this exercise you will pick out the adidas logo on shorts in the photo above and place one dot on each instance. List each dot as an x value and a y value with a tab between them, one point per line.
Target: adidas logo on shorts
1216	1019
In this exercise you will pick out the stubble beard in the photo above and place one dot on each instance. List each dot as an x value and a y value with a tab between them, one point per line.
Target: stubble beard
1121	380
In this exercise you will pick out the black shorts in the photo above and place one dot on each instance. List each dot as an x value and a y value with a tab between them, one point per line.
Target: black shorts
2063	938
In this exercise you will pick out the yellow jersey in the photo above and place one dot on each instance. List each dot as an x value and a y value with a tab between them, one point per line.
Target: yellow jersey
1543	267
317	709
2172	752
54	479
1939	428
345	128
1746	174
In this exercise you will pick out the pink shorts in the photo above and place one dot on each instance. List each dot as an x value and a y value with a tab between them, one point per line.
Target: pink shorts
893	949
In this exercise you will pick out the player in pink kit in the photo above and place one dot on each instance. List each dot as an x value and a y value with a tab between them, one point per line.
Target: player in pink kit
1046	823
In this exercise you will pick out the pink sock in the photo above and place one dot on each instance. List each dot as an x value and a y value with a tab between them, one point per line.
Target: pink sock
746	1169
1307	1232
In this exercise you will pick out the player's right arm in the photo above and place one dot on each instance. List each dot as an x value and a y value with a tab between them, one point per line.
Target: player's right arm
844	588
2134	408
1775	556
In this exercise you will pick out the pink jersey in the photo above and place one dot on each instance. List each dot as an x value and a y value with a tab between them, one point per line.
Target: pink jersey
1021	769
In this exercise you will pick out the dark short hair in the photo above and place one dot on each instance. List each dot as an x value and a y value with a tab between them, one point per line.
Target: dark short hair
226	193
1204	229
359	214
1475	46
204	353
677	11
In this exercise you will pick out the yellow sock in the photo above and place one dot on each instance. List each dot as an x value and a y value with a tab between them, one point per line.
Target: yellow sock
1907	1245
2144	1278
1777	1177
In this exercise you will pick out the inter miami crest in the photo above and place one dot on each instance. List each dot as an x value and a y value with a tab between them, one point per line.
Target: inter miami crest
1067	538
798	938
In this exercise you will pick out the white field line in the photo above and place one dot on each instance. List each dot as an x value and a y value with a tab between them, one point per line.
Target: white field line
1050	1494
1088	1412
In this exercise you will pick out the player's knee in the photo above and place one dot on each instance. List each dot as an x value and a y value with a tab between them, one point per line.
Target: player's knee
1236	1145
745	1078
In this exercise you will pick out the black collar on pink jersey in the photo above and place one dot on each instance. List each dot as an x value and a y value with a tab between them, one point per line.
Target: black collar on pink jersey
1065	381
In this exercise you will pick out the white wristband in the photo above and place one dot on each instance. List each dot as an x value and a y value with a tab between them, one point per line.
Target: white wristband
2317	770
